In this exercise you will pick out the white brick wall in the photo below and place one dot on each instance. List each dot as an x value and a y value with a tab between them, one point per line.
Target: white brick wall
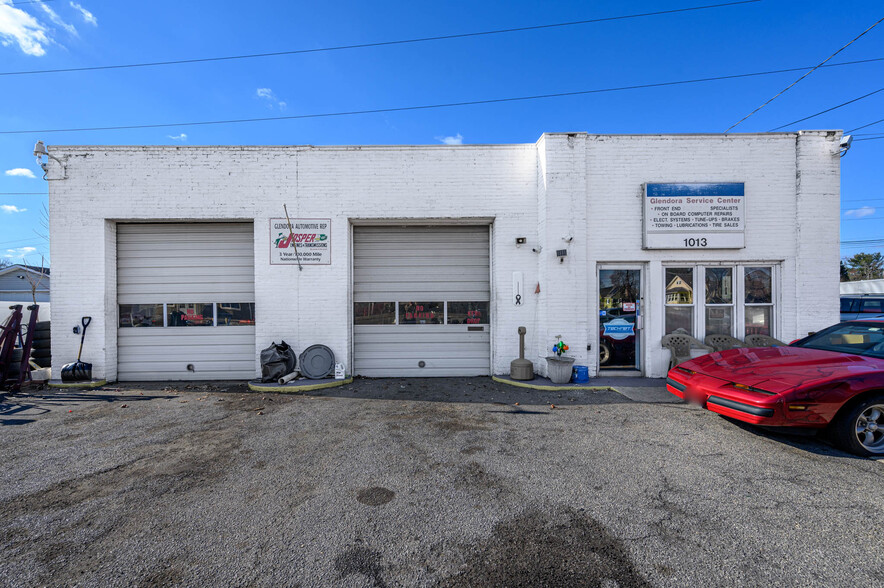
588	187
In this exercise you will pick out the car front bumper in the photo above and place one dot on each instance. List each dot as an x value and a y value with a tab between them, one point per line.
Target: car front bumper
726	399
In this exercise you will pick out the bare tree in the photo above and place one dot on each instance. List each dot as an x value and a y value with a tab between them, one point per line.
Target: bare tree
35	281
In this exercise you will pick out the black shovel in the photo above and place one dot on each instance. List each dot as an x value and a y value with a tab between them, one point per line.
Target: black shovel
79	370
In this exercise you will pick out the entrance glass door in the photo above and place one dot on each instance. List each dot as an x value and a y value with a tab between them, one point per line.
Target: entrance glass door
619	319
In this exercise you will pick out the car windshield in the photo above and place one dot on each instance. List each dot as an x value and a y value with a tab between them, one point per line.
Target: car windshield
857	338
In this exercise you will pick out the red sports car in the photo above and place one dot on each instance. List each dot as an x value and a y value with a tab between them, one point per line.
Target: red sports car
832	379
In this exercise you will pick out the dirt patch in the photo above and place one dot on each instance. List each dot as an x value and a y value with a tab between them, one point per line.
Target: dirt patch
564	548
375	496
460	426
361	560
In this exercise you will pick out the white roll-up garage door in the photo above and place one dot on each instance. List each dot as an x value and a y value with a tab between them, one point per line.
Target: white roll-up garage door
421	301
186	301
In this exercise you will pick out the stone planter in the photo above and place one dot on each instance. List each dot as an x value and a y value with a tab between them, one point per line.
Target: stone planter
559	368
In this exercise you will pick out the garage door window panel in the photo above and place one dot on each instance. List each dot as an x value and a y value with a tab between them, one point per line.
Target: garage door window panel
192	314
421	313
468	313
141	315
235	314
374	313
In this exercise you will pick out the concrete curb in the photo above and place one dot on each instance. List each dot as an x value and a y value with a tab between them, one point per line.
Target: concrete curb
550	388
288	388
85	385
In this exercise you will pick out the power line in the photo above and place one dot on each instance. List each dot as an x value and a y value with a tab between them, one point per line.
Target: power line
864	126
24	193
869	138
430	106
827	110
868	218
804	76
380	43
29	2
863	200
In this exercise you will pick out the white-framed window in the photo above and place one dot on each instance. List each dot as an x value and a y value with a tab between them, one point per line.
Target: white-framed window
720	298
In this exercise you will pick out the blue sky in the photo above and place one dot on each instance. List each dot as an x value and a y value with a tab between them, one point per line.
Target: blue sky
761	36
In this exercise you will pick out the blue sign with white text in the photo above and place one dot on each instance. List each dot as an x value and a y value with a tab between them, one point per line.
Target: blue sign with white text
698	189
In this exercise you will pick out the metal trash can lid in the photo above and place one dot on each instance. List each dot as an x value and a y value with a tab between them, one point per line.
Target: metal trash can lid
317	362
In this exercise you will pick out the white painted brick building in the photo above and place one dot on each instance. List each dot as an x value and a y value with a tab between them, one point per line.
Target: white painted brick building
589	188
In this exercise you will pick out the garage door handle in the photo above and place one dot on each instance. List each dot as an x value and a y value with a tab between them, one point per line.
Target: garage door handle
475	328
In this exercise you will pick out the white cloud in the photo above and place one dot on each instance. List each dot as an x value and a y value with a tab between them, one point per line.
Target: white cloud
17	27
455	140
855	213
19	253
182	137
88	17
271	98
9	208
53	16
22	172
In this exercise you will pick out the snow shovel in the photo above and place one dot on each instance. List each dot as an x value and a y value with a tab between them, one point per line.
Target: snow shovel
79	370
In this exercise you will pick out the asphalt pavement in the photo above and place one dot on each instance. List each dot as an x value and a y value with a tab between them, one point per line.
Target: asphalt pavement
447	482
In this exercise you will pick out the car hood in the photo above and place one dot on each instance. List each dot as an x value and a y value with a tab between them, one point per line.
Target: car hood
780	369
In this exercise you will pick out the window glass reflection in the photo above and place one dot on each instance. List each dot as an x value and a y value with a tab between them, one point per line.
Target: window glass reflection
468	313
758	285
758	319
719	285
236	313
374	313
191	314
420	313
141	315
679	285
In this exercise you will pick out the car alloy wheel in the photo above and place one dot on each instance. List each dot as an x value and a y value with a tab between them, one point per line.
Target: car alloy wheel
869	426
604	354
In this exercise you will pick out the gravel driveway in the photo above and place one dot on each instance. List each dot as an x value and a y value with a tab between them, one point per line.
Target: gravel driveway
452	482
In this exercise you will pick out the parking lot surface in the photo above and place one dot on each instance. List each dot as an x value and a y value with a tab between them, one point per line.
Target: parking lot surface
449	482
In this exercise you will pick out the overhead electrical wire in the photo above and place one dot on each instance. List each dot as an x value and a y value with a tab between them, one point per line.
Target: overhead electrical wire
870	138
429	106
781	92
827	110
851	131
380	43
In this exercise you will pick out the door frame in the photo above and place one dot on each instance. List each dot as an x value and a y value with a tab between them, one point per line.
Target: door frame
642	354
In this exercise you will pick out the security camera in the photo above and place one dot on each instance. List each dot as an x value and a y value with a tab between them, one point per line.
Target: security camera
40	149
846	140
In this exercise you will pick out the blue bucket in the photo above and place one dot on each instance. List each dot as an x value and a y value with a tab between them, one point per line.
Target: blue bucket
580	374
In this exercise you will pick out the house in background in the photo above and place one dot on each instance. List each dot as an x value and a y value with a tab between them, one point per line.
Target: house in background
21	284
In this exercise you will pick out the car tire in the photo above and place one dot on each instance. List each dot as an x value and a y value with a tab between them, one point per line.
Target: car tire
41	343
42	327
41	354
604	354
860	428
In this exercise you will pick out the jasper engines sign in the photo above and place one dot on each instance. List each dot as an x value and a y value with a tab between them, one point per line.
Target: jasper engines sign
308	241
694	216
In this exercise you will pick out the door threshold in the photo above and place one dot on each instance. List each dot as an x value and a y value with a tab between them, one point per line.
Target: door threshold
619	373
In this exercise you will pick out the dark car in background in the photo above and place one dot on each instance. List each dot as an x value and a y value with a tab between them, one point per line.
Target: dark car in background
860	306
